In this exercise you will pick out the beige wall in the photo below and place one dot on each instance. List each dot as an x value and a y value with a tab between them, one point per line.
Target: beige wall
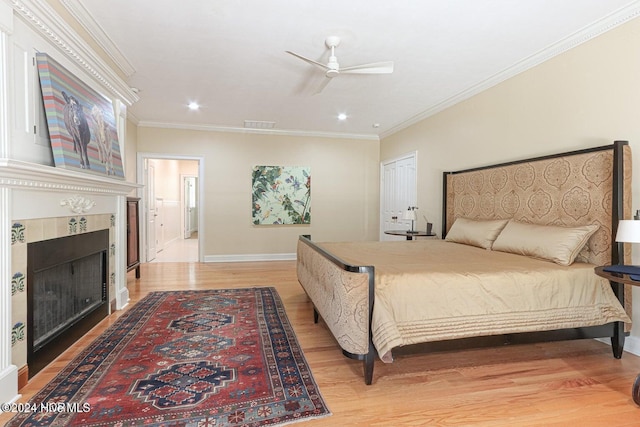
588	96
344	191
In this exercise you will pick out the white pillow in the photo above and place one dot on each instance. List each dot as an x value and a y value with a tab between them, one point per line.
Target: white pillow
474	232
549	242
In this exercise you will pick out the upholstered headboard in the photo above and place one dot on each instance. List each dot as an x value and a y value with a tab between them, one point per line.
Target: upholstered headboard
591	186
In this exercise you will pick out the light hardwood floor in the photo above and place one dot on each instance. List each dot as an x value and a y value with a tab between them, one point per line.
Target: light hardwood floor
556	384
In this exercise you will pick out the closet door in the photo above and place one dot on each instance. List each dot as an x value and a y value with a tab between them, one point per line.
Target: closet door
398	190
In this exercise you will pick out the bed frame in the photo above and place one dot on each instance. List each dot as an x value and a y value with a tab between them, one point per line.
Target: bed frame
343	294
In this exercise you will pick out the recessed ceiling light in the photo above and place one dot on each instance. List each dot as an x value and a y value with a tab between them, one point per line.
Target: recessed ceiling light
342	116
194	106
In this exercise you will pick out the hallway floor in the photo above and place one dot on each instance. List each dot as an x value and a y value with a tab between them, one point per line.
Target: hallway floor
181	250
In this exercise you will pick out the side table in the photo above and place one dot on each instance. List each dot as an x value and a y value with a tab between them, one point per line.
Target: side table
625	279
409	234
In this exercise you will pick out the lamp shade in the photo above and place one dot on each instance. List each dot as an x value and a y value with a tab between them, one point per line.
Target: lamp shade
411	215
628	231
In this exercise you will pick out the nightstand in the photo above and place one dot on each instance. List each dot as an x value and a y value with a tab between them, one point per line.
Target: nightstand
409	234
627	280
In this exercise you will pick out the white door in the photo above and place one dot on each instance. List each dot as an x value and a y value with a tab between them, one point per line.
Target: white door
398	192
190	206
159	225
151	212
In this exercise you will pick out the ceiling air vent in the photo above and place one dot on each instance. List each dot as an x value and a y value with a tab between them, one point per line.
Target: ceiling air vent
257	124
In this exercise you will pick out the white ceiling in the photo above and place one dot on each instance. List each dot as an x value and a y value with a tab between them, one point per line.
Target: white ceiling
229	55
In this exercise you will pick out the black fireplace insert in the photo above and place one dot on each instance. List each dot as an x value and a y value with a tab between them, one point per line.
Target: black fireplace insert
66	293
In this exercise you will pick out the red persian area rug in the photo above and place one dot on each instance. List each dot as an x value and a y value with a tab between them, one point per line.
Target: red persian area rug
225	357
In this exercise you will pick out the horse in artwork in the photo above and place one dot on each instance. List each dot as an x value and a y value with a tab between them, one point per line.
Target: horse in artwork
101	136
76	123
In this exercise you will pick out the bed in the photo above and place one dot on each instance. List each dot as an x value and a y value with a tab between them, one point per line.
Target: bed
515	266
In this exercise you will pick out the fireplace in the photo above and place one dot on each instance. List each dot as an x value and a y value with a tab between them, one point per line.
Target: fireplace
66	293
40	203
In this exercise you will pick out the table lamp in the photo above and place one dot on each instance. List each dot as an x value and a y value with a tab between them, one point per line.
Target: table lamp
410	213
628	231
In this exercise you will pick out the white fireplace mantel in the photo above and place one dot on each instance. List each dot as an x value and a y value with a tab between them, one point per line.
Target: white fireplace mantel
40	191
25	175
31	190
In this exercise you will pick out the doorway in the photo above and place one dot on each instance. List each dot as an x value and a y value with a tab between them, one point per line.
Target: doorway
398	191
171	226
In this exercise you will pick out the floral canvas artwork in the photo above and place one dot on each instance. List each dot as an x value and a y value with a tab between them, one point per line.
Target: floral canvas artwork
281	195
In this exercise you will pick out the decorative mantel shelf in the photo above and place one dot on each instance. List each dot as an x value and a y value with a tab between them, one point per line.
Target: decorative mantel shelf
25	175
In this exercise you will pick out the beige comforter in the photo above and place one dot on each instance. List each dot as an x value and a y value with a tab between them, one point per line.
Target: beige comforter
431	290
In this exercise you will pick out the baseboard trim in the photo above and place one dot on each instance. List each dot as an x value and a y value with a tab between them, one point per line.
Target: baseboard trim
122	298
23	376
250	257
631	344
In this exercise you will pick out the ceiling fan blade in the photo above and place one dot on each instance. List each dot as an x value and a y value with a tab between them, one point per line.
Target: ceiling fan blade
373	68
323	85
310	61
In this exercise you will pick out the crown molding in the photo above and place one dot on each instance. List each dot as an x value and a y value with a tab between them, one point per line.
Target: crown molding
48	23
601	26
213	128
85	19
133	118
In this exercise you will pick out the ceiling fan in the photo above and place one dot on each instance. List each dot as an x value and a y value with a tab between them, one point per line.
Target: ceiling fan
333	69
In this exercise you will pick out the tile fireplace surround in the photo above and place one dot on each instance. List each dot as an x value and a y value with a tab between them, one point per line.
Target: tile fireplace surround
42	202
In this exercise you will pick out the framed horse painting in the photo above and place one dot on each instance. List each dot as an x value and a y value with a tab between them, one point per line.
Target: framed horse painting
81	122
